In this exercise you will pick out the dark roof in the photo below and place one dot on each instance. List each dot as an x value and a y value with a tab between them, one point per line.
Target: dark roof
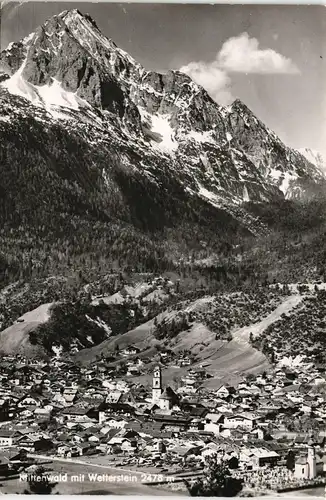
145	426
176	419
6	433
198	412
63	437
168	393
290	388
84	445
118	407
74	410
112	433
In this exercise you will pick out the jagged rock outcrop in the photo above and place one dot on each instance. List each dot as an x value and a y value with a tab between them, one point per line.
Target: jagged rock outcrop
291	171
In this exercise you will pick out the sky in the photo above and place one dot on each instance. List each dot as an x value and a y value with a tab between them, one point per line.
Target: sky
272	57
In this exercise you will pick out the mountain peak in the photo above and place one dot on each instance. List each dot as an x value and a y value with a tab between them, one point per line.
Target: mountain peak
239	106
77	14
71	12
69	51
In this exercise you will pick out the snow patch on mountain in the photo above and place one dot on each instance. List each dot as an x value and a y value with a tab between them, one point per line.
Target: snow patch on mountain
286	183
246	196
28	38
55	95
209	196
283	180
18	86
161	126
201	136
49	97
314	157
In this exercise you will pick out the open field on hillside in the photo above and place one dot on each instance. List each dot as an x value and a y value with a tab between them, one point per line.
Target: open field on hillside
15	338
224	361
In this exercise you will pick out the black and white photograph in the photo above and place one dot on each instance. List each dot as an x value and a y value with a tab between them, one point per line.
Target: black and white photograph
163	249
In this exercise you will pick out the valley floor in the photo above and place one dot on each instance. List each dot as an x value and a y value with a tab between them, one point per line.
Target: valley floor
93	478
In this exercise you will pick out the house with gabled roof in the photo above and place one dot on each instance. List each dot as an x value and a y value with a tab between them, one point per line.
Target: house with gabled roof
7	438
78	413
245	420
70	395
222	392
30	400
113	397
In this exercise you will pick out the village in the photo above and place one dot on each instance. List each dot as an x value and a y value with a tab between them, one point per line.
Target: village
270	427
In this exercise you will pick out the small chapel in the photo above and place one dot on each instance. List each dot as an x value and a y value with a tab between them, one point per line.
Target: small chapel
164	399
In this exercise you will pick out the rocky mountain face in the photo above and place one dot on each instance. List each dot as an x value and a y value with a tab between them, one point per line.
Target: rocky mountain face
114	133
314	157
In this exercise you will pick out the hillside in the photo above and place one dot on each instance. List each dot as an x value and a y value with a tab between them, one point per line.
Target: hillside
288	326
301	333
207	329
225	357
16	338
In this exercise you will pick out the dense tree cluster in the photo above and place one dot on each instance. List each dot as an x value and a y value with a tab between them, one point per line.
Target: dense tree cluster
239	309
217	480
222	314
81	324
39	483
294	249
65	205
301	332
170	329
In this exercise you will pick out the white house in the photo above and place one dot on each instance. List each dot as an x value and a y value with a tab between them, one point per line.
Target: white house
6	438
112	423
212	427
28	401
246	420
222	392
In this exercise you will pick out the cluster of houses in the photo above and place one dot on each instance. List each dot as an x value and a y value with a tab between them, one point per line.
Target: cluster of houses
271	426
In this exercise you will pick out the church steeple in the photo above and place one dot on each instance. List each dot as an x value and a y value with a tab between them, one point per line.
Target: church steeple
157	385
311	459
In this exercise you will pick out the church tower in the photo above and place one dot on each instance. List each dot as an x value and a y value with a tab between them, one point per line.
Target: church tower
311	460
157	385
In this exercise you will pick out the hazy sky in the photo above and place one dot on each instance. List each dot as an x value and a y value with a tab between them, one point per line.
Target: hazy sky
271	57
